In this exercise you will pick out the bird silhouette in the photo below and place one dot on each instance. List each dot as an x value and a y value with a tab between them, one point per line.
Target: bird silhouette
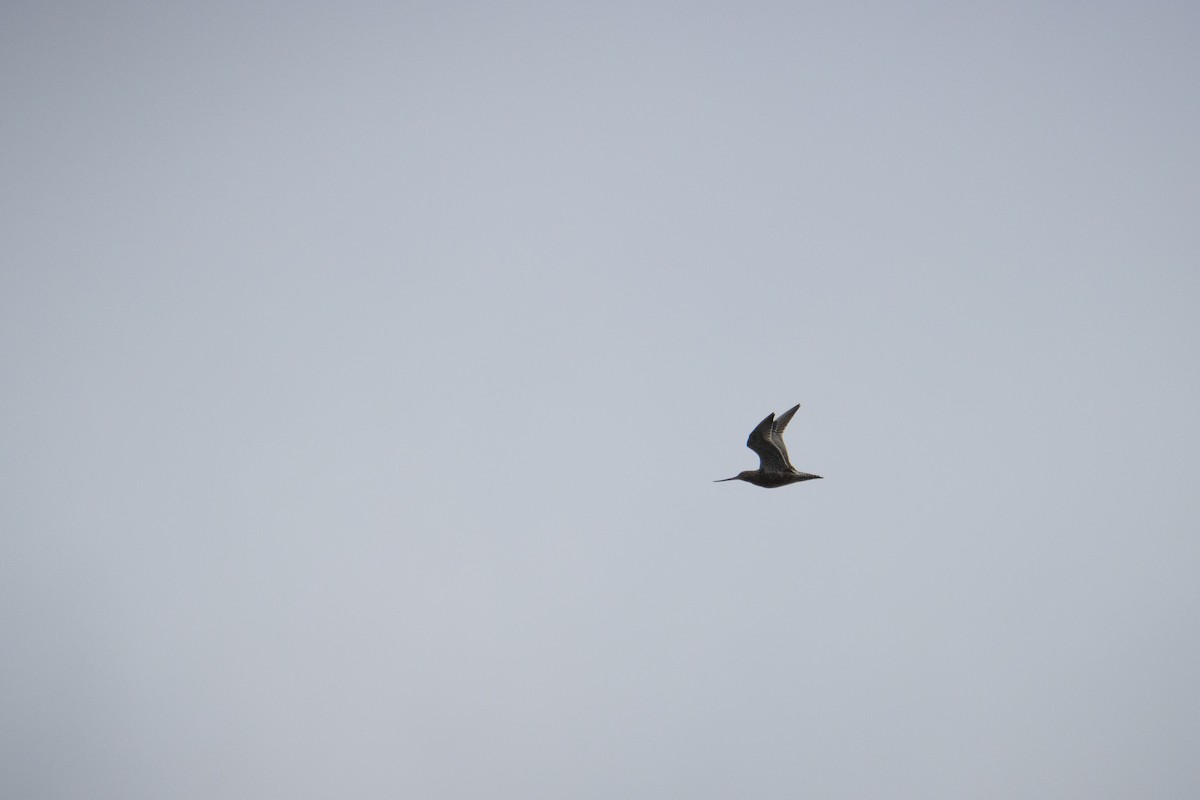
774	467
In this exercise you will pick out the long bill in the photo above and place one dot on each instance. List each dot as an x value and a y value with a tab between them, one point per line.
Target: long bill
734	478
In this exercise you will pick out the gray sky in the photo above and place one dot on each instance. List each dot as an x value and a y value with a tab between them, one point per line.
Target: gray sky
366	366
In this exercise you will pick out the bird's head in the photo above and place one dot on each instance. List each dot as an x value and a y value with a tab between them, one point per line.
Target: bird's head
741	476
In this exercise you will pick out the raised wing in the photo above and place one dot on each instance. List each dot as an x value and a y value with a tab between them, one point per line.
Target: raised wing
769	457
777	434
767	441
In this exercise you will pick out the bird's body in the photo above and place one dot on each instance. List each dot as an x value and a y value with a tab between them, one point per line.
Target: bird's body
774	467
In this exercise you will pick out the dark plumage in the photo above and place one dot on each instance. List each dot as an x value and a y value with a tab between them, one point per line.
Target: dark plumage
774	467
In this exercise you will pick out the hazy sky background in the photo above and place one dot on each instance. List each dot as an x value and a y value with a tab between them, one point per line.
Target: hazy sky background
365	367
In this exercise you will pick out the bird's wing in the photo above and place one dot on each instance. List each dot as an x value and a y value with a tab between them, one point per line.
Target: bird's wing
772	456
777	434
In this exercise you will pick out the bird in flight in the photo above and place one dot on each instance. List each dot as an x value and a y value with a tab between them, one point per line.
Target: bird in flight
774	467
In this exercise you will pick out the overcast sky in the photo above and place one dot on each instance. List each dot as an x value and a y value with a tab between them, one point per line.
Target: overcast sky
366	366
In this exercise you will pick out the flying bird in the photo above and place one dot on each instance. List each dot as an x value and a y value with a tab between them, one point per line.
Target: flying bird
774	467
